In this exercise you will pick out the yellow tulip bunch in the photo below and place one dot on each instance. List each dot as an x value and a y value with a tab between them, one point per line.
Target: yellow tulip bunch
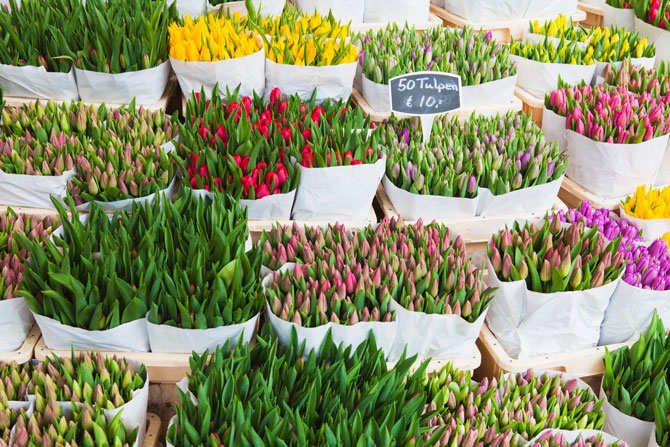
546	51
210	39
654	204
561	27
615	44
294	21
298	49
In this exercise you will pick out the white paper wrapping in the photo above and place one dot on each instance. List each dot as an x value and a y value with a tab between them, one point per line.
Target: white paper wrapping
652	440
652	229
247	72
32	191
620	17
529	324
341	193
412	206
15	323
126	337
593	2
343	10
183	385
36	82
538	78
536	199
382	11
572	435
646	62
657	36
332	82
433	335
630	312
193	8
165	338
629	429
480	11
499	93
146	86
273	207
553	126
376	95
611	170
134	412
127	204
663	177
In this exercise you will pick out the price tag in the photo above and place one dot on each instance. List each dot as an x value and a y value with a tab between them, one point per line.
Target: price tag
425	94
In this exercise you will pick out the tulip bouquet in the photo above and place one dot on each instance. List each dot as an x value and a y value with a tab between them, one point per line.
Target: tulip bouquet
561	27
103	382
654	12
615	44
652	204
635	379
14	381
310	50
88	427
621	4
602	220
502	154
548	52
393	51
558	439
188	297
8	418
554	259
302	389
637	79
292	20
209	39
27	155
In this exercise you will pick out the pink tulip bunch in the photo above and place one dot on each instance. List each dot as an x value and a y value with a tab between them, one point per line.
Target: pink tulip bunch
612	115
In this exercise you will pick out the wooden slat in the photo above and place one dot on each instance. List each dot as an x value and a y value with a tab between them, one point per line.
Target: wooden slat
15	101
501	31
515	105
25	352
151	438
573	194
532	105
594	14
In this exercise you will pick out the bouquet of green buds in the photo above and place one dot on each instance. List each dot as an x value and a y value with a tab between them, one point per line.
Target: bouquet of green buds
27	155
104	382
393	51
14	381
555	259
558	439
637	79
8	418
47	426
503	154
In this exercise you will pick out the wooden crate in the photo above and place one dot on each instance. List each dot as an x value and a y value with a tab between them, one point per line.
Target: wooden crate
15	101
573	194
594	15
433	22
151	438
26	350
585	363
256	227
502	31
532	105
514	106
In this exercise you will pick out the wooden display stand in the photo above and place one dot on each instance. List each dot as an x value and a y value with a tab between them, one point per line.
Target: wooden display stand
151	437
377	117
25	352
573	194
532	105
594	15
502	31
170	88
586	363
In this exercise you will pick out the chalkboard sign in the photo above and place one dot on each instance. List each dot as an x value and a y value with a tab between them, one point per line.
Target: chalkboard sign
425	93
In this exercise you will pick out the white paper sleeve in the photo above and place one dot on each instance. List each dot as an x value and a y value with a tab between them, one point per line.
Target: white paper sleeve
16	320
657	36
32	191
383	11
553	126
36	82
538	78
128	337
433	335
343	193
534	200
165	338
529	324
343	10
611	170
376	95
331	82
663	177
193	8
621	17
414	206
498	93
629	429
247	72
652	439
481	11
630	312
146	86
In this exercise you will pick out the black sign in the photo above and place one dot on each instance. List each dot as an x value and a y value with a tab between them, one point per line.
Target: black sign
425	93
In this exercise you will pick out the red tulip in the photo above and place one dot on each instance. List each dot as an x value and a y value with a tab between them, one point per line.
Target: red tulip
275	94
203	171
245	163
217	183
317	113
246	102
262	190
204	133
222	134
237	158
286	135
283	105
282	175
306	134
303	107
348	158
255	173
272	179
276	191
234	107
247	181
261	165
